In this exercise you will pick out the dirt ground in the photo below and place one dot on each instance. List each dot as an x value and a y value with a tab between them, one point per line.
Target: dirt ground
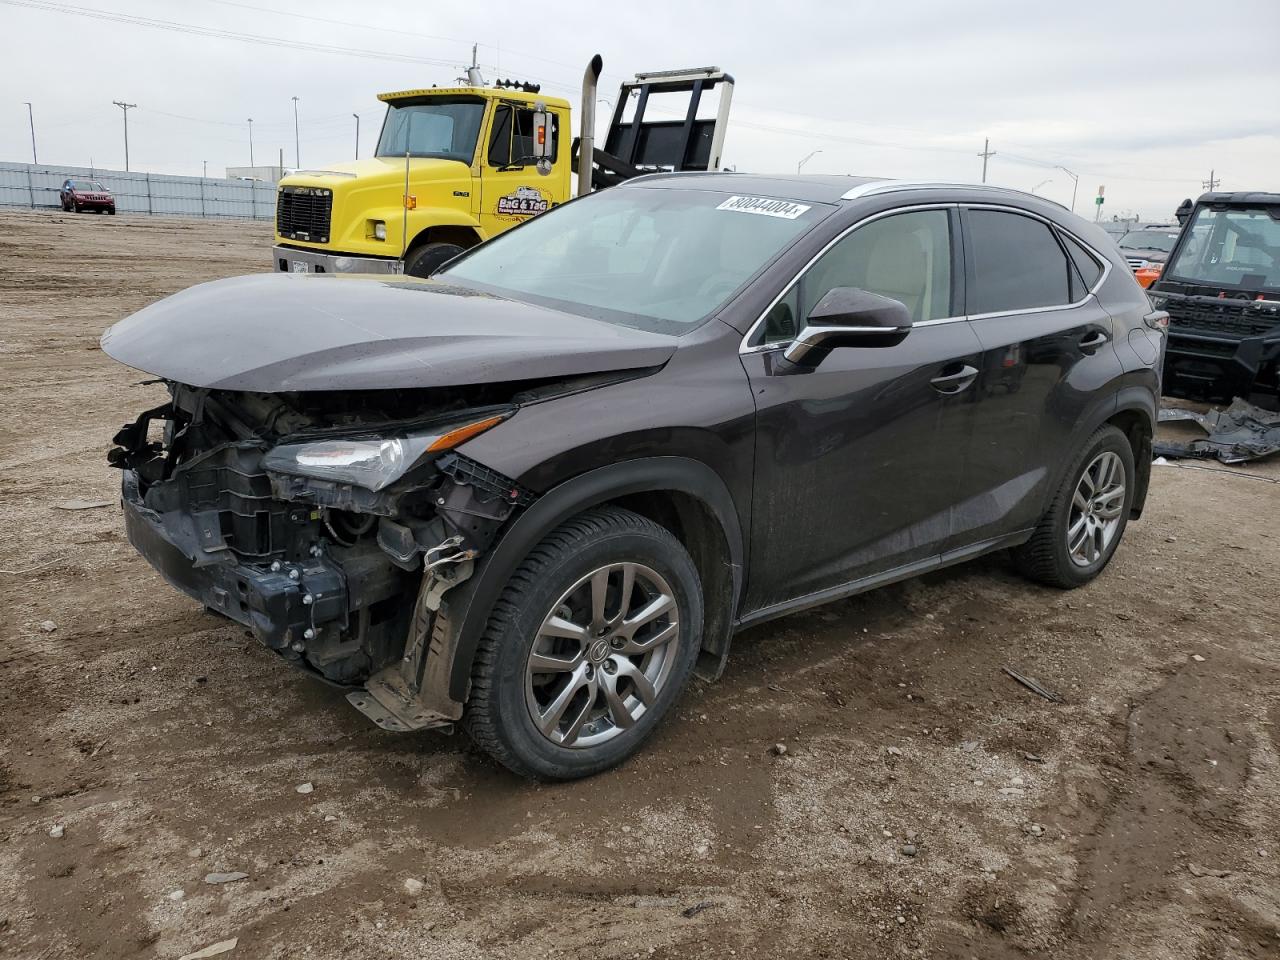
1138	819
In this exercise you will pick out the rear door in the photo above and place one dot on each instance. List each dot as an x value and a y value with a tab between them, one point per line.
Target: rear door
1047	351
856	460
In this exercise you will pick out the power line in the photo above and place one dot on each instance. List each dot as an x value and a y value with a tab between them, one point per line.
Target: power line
220	34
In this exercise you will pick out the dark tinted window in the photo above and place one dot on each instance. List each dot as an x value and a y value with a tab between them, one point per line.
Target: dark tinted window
906	257
1089	268
1017	264
780	324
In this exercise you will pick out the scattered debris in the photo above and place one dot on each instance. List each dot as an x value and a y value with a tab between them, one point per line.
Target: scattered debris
48	626
223	946
412	886
968	746
329	818
780	749
1198	871
909	850
304	787
1011	791
1197	658
57	830
893	751
177	894
1033	829
225	877
696	909
1032	758
1237	434
1034	686
81	504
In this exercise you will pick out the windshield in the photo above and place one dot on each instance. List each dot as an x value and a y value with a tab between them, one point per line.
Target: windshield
437	128
657	259
88	186
1234	247
1149	240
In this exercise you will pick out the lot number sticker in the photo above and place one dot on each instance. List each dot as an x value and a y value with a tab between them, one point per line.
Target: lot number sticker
764	206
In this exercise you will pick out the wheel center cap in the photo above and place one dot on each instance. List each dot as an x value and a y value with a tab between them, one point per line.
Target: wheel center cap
598	651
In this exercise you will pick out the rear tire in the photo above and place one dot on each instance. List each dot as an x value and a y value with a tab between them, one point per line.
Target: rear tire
566	685
430	257
1079	533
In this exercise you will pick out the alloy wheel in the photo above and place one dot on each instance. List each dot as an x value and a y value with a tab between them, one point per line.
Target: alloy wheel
603	655
1095	509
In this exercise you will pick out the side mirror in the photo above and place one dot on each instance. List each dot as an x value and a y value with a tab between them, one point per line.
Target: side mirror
1183	213
848	317
544	138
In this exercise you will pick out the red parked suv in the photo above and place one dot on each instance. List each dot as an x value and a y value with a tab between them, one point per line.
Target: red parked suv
80	195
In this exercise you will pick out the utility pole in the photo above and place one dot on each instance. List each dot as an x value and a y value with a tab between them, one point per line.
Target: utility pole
986	153
206	168
1075	185
357	116
806	160
126	107
251	141
1211	184
297	150
32	120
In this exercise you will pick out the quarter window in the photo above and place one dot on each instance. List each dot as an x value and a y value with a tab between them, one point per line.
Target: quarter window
1089	269
906	257
1017	264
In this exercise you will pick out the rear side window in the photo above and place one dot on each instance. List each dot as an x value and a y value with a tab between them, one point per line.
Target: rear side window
1018	264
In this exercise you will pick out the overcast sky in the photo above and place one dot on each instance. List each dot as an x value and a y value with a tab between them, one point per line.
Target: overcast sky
1145	98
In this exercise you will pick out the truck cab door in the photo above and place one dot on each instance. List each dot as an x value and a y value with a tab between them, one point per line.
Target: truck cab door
512	190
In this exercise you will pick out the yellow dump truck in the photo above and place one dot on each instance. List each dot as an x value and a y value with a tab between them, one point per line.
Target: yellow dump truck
457	165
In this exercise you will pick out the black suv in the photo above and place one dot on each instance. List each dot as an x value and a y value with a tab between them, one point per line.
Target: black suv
1221	288
534	493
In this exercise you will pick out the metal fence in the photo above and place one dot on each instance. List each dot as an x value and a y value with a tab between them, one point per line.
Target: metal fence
36	186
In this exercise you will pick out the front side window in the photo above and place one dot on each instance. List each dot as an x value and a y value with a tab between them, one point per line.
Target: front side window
1017	264
906	257
1232	247
511	140
649	257
446	129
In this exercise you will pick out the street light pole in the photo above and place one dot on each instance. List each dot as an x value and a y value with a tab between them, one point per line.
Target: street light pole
206	169
32	120
1075	185
806	160
126	107
251	141
357	116
297	149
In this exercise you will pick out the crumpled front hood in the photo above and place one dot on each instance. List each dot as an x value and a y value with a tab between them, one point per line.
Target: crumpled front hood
274	333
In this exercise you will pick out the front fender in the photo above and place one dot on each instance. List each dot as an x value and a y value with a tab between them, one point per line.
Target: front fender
467	607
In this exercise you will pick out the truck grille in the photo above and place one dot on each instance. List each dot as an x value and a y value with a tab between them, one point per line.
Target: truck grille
1135	262
302	213
1235	318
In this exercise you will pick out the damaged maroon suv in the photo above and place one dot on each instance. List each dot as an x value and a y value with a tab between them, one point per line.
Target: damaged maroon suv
532	494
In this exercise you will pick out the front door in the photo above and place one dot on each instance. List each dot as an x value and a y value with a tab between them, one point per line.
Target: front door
512	190
857	462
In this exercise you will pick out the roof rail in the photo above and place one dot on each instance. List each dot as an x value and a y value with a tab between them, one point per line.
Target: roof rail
893	186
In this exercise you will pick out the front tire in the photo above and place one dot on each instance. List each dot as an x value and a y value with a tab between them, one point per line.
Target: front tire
429	258
1079	533
588	647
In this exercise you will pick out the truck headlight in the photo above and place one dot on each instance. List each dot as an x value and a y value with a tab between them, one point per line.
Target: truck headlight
379	229
372	462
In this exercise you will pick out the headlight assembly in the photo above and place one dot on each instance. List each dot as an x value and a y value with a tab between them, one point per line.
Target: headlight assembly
373	462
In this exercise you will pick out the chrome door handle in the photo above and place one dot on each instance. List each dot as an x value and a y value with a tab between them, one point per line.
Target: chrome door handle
1093	341
955	382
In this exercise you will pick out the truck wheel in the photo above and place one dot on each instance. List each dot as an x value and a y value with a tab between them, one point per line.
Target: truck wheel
1080	531
588	647
429	258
